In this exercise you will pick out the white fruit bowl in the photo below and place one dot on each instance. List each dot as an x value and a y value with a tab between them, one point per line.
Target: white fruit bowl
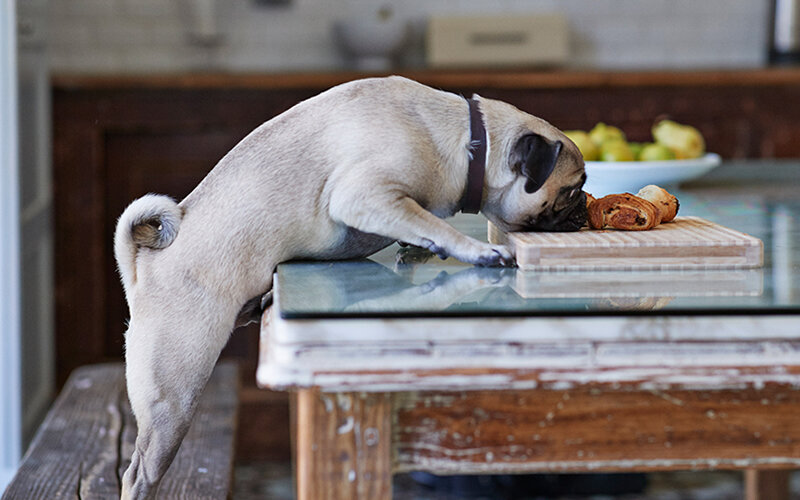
610	177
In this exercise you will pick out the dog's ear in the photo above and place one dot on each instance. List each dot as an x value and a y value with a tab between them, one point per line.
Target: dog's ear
534	157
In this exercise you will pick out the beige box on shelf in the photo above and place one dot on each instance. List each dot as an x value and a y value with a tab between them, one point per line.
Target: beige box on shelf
528	40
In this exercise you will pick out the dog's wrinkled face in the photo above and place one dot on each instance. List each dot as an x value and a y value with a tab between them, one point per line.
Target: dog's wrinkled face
547	193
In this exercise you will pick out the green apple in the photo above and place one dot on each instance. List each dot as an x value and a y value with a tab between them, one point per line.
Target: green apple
602	133
588	148
684	140
616	150
655	152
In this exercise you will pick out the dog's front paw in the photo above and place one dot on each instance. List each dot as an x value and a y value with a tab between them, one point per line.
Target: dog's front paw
495	256
474	252
484	254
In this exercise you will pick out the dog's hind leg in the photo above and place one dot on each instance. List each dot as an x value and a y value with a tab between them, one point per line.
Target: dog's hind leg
253	309
170	354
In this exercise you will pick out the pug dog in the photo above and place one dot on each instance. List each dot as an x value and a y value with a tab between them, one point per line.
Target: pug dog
340	175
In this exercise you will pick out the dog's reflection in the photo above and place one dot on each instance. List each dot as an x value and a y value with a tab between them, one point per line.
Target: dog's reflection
419	283
365	286
443	292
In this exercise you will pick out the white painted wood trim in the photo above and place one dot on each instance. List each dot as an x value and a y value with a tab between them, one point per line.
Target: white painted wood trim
10	398
488	353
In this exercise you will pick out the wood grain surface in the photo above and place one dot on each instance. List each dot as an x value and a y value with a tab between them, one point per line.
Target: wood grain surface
590	429
349	444
85	443
767	484
343	446
684	243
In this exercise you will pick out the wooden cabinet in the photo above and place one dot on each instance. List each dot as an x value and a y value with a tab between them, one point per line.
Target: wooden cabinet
117	138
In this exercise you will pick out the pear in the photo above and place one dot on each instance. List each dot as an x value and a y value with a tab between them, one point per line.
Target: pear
616	150
602	133
655	152
636	148
588	148
684	140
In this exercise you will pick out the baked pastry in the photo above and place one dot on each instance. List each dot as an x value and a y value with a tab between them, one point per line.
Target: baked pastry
623	211
589	200
666	203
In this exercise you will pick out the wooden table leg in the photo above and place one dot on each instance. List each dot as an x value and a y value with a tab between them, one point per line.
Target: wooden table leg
343	446
767	484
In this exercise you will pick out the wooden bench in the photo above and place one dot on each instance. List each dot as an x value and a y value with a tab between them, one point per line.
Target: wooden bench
84	444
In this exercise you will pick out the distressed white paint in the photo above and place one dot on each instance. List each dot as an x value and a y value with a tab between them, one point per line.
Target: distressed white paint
405	331
346	427
407	462
651	352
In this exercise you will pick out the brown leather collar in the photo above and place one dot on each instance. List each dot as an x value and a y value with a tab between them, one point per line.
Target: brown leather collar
473	195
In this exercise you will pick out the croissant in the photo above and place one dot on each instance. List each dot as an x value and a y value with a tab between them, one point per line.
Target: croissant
666	203
623	211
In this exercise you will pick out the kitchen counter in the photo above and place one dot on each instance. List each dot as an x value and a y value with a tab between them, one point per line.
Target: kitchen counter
445	79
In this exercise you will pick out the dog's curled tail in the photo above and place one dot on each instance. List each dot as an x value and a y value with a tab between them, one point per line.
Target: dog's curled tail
151	221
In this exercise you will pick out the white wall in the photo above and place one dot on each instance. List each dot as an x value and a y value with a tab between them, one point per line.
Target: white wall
153	35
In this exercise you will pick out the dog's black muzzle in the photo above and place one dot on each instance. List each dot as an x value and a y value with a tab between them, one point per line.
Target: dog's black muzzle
567	214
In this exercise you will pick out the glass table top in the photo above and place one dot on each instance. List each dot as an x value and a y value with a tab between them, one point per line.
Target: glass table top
759	198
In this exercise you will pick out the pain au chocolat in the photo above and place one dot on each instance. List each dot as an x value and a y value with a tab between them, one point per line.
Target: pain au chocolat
623	211
651	206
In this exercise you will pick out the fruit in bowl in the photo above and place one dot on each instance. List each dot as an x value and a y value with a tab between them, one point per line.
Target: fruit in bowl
601	133
671	141
616	150
675	154
655	152
589	150
684	140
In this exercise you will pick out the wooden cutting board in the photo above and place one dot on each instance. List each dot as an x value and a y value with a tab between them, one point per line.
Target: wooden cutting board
684	243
